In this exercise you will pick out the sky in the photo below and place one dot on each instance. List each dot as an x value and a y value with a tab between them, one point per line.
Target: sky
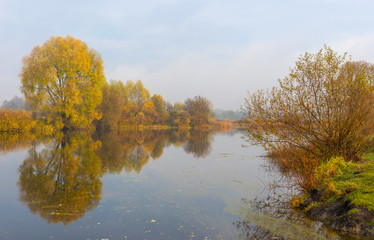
218	49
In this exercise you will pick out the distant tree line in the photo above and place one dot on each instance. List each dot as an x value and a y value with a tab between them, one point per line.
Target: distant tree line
131	104
15	103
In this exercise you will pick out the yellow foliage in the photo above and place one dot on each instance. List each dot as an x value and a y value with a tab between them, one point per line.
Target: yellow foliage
15	121
61	80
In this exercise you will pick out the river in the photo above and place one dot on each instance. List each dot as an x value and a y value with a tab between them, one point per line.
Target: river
146	185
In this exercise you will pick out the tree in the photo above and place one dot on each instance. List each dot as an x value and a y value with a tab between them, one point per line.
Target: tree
323	108
199	109
179	106
138	94
113	100
159	103
61	80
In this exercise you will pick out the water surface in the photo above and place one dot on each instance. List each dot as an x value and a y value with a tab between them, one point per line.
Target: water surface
145	185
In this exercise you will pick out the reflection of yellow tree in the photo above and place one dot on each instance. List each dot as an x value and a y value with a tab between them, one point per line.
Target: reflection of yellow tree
131	150
199	144
62	182
178	138
13	141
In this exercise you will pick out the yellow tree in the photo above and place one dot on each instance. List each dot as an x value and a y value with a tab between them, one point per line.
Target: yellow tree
61	81
138	94
113	101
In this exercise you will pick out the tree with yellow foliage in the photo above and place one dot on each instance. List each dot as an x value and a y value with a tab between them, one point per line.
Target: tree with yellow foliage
61	81
323	108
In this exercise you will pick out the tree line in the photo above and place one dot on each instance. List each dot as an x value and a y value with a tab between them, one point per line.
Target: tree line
131	104
64	86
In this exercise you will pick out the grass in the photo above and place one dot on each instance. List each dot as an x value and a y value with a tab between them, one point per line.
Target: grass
353	181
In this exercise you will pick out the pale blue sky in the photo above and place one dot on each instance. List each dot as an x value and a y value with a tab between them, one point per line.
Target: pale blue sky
182	48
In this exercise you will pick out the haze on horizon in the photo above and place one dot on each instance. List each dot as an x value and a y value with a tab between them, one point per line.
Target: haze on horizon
180	49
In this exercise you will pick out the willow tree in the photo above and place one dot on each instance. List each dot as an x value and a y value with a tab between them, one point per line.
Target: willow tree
323	108
61	81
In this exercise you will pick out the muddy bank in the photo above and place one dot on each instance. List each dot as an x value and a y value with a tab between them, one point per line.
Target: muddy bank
340	215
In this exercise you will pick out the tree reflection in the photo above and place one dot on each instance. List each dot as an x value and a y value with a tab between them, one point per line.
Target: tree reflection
199	144
132	150
62	181
13	141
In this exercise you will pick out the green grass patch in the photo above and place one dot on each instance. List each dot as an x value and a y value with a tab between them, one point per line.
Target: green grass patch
354	181
353	211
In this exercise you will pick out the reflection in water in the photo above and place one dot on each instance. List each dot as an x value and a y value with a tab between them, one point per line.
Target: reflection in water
199	144
131	150
62	182
13	141
271	218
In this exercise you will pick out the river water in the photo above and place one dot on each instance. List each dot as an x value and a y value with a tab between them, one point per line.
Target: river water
146	185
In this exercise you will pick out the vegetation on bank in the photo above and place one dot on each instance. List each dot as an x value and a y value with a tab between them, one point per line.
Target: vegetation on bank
15	121
65	88
317	125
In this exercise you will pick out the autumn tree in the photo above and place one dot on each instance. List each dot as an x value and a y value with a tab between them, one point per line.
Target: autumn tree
323	108
199	109
61	80
159	103
114	99
138	94
179	106
149	112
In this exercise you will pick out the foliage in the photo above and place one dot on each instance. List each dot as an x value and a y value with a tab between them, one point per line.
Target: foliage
61	81
113	101
15	121
322	109
138	94
199	108
353	181
182	119
159	103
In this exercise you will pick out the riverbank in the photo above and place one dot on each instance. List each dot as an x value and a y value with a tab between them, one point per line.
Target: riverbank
344	198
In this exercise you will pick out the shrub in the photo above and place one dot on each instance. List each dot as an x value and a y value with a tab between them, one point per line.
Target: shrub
15	121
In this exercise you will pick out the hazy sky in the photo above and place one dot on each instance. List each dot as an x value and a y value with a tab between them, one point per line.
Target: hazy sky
219	49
